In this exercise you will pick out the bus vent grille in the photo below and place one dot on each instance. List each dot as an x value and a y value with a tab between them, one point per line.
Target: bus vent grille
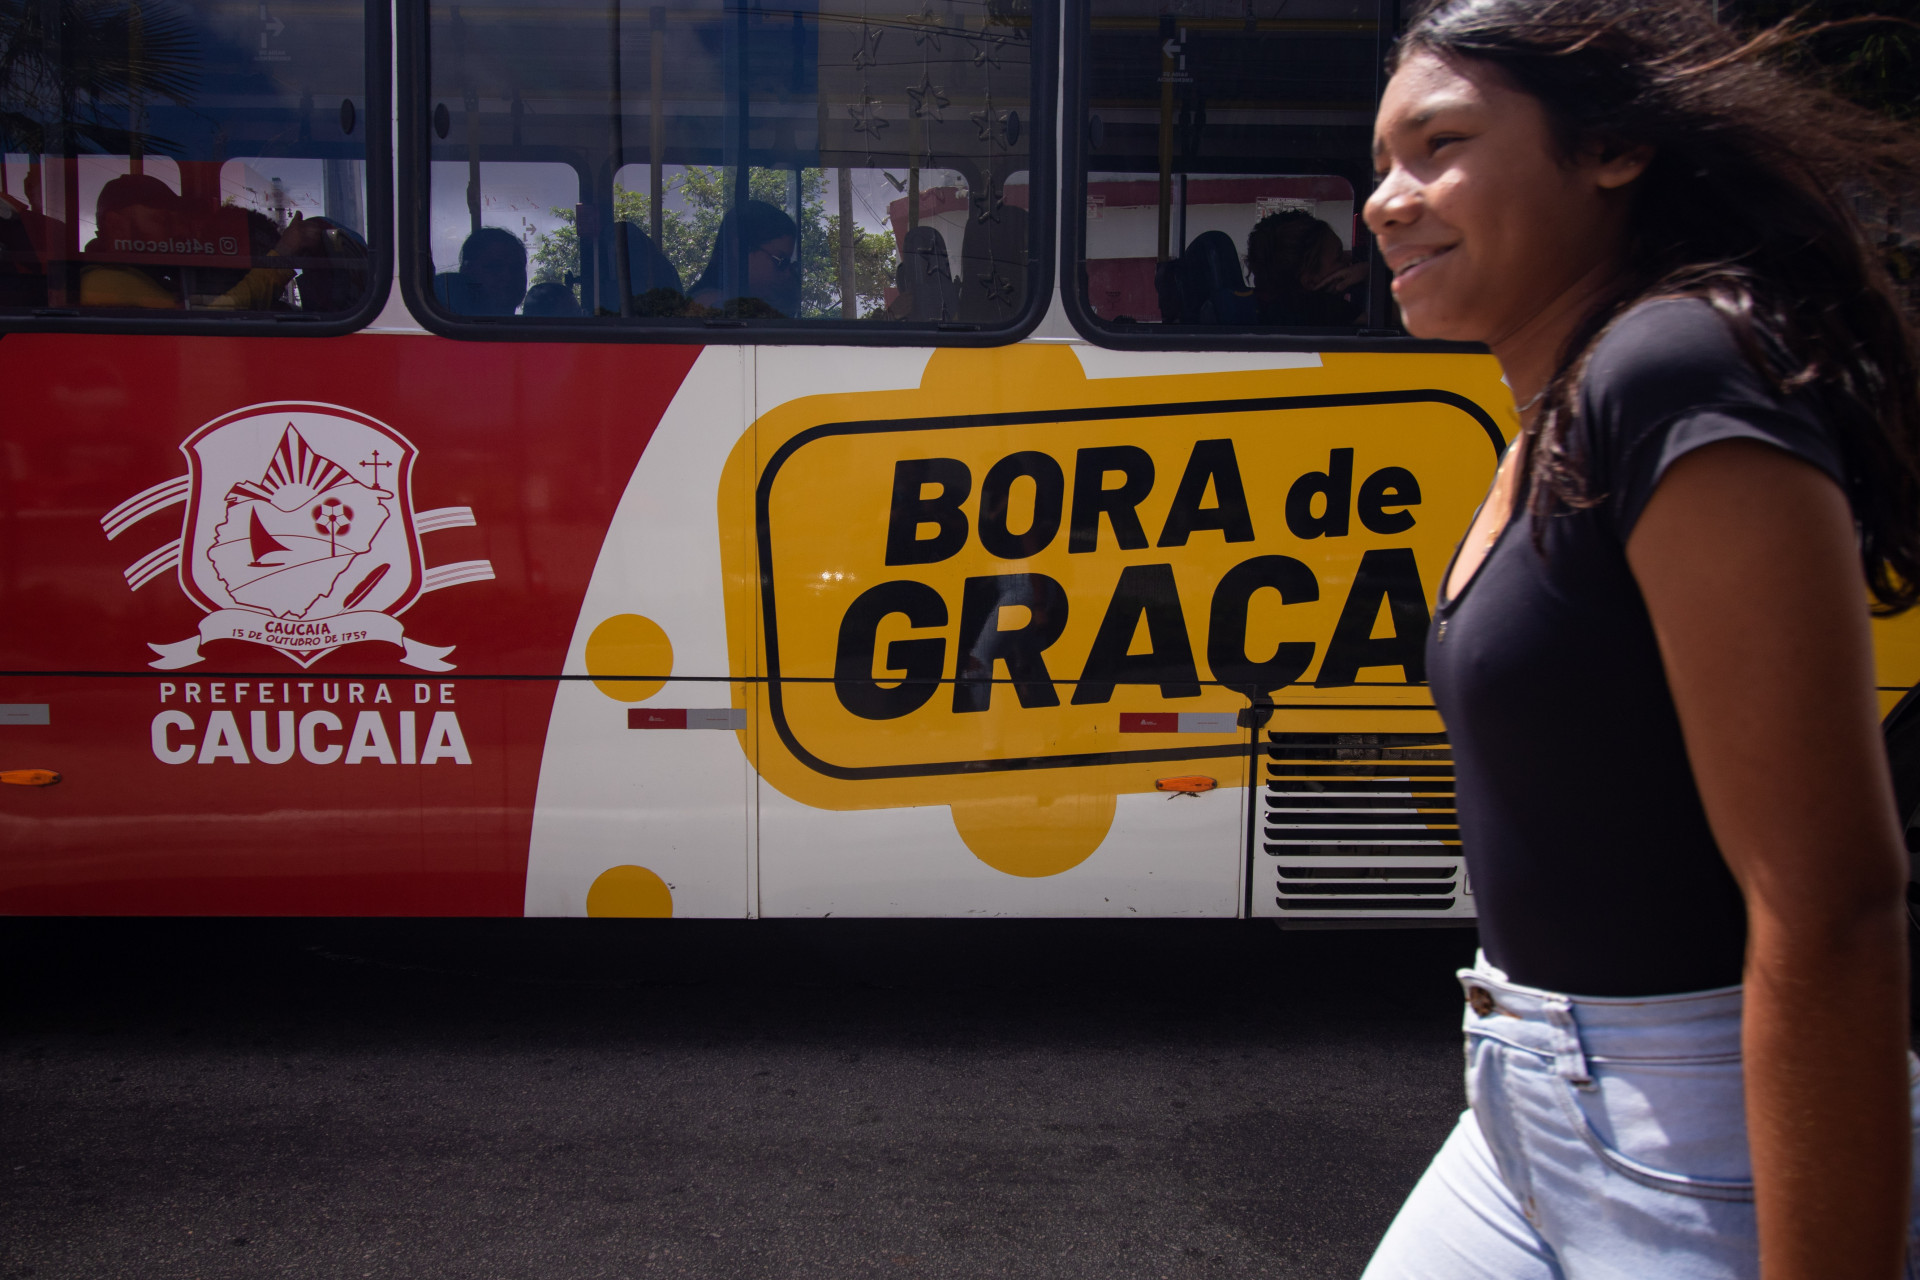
1361	823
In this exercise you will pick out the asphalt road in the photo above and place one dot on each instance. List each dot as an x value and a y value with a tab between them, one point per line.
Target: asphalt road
836	1099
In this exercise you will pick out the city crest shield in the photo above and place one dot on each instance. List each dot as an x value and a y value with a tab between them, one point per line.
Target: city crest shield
300	534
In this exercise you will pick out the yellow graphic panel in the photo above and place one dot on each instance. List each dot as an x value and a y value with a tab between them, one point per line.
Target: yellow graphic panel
629	645
1896	651
1027	835
1001	591
629	891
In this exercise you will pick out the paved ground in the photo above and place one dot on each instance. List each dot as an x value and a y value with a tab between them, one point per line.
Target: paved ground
560	1099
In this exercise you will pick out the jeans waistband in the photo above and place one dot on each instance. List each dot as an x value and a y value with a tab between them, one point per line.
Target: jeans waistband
1574	1031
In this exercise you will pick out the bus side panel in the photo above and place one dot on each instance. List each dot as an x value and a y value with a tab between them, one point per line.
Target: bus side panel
285	615
1047	842
1008	618
155	815
645	791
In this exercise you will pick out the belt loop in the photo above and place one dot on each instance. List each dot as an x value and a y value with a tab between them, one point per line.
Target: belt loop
1569	1060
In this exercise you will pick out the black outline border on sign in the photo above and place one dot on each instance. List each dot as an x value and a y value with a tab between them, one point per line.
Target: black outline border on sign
763	541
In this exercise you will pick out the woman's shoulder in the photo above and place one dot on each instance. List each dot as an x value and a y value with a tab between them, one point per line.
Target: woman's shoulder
1664	357
1669	377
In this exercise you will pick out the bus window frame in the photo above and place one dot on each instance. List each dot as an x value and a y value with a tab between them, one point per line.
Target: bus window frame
416	271
283	324
1076	42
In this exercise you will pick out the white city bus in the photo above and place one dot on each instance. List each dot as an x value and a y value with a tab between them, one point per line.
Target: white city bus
853	457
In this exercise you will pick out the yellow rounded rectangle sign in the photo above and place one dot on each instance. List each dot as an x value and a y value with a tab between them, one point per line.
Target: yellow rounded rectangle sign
989	586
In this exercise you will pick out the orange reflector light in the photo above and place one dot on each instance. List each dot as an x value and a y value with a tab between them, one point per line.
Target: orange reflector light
29	777
1191	784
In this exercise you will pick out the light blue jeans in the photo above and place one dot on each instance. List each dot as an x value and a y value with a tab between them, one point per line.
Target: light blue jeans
1606	1138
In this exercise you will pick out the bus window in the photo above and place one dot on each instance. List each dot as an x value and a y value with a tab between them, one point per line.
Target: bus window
851	165
1223	163
527	214
168	160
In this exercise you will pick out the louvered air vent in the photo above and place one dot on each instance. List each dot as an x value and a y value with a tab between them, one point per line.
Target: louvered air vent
1359	824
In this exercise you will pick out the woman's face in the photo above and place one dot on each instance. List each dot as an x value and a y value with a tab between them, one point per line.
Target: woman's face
770	268
1483	224
1324	262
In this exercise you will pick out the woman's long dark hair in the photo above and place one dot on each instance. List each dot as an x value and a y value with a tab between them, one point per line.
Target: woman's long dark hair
1753	201
745	228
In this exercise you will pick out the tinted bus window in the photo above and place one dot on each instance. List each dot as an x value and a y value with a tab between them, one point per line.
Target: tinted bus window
1224	161
182	158
838	163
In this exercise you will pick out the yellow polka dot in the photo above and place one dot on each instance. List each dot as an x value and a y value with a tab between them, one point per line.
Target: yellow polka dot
629	891
629	645
1034	835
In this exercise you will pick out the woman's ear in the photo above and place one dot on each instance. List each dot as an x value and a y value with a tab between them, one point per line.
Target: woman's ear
1615	166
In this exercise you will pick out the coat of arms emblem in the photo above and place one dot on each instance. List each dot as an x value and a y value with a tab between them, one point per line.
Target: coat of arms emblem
300	534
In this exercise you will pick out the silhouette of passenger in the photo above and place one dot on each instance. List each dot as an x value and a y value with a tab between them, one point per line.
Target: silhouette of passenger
550	298
341	282
1186	286
492	278
139	209
205	286
653	283
133	209
993	266
23	276
1301	277
33	241
923	279
754	270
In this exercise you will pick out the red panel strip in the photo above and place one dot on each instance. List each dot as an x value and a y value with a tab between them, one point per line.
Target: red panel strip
656	717
1149	722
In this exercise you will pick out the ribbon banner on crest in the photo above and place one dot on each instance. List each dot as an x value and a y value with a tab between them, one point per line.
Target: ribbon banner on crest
302	640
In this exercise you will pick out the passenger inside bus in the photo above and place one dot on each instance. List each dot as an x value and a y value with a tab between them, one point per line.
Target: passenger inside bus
1207	268
342	282
768	240
1301	276
492	279
923	281
993	261
550	298
653	285
139	209
206	286
23	279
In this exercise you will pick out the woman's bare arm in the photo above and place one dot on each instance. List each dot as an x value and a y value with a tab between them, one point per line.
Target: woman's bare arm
1746	558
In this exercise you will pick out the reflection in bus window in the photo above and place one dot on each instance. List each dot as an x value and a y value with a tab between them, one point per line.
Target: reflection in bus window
826	161
120	192
1225	159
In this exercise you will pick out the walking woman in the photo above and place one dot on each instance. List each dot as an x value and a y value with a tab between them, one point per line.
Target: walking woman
1687	1033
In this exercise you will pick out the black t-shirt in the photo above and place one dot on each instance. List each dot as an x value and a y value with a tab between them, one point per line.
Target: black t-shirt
1590	855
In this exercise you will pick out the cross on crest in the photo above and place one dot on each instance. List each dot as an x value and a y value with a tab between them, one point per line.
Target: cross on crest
376	464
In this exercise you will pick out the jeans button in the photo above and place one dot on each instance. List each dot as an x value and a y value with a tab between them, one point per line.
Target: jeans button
1480	1001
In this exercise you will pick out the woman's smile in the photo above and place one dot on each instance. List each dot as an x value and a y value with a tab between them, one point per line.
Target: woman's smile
1410	262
